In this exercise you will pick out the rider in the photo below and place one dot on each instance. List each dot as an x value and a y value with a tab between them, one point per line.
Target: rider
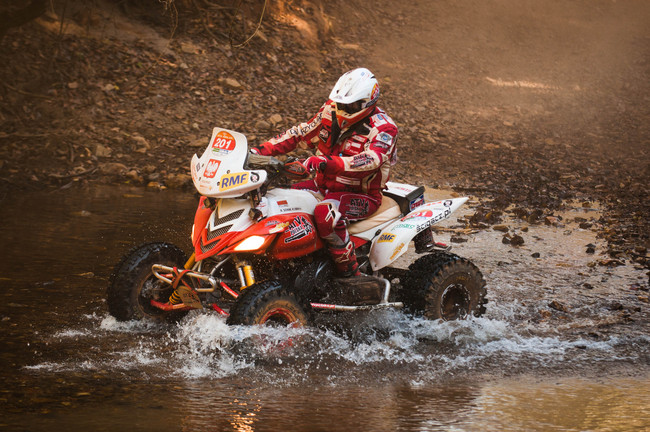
355	148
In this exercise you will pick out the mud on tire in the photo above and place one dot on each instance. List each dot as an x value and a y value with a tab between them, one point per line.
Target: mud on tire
269	302
132	284
443	285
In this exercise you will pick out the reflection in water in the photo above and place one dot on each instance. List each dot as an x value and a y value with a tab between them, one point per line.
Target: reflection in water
67	365
571	404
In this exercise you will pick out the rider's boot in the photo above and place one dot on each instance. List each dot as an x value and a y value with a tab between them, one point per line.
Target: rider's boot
345	260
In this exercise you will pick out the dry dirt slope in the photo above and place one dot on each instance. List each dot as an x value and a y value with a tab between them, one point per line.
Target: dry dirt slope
523	102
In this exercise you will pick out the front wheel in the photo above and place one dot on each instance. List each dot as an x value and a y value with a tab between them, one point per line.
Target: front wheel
269	303
133	285
444	286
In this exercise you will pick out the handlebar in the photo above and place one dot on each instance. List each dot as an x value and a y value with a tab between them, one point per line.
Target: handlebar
292	168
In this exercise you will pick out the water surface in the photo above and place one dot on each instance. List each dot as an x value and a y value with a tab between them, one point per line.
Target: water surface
68	365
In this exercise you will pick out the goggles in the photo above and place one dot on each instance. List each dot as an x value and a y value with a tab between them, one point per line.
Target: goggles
350	108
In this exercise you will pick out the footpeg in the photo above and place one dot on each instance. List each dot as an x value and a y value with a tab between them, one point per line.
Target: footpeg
357	290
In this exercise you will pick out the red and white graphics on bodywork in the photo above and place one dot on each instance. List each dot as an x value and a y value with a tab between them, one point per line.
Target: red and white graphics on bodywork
230	222
393	241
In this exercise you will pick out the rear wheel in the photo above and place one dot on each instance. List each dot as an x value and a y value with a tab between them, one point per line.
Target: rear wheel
132	284
269	303
444	286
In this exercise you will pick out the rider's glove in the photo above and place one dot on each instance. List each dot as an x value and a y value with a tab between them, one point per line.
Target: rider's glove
254	151
316	163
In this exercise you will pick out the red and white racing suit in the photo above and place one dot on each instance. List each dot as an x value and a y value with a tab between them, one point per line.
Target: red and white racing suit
358	165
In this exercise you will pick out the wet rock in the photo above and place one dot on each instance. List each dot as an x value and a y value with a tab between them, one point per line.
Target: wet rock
199	142
502	228
155	185
611	263
142	145
177	181
521	213
102	151
558	306
616	306
517	240
134	176
112	168
551	220
643	299
231	83
587	285
535	216
483	218
514	240
535	255
585	225
457	239
262	125
591	249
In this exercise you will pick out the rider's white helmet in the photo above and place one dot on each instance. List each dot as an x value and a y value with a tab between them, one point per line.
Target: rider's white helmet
355	94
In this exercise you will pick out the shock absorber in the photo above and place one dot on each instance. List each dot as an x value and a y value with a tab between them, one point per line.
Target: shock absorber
245	272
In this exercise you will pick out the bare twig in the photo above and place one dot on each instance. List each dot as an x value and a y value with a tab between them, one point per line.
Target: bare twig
259	24
22	92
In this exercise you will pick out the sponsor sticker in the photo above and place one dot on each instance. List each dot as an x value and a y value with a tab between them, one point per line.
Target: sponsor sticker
223	143
385	138
361	160
397	251
418	215
300	227
278	227
358	208
211	168
374	95
230	181
323	135
386	238
416	202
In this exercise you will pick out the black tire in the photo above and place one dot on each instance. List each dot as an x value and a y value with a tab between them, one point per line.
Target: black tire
132	284
313	282
269	302
444	286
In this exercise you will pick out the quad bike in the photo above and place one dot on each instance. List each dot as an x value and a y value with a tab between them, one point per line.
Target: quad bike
258	259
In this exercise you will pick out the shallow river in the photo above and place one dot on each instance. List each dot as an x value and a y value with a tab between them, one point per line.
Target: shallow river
582	364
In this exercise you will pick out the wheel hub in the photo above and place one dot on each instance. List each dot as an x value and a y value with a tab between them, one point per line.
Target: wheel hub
455	302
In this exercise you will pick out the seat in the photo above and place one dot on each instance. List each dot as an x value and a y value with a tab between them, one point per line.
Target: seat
388	210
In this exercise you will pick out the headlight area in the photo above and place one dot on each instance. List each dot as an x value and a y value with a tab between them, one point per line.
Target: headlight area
252	243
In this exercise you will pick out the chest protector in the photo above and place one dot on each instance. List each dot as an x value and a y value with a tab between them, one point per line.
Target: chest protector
349	143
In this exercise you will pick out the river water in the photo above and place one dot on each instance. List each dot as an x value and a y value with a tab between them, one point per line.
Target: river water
564	345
